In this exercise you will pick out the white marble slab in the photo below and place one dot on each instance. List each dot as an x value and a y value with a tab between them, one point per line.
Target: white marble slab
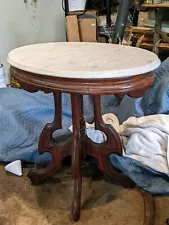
83	60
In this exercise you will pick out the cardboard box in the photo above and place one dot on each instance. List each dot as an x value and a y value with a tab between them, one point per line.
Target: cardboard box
72	29
82	25
146	19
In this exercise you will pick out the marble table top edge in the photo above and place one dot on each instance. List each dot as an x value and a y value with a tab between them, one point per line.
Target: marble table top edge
92	75
100	61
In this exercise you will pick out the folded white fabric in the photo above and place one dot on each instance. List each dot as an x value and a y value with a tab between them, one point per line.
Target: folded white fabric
145	139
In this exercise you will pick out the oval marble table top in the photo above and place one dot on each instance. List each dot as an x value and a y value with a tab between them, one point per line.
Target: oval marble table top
83	60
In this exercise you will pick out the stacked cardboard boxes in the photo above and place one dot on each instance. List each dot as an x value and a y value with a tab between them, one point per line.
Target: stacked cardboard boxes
81	27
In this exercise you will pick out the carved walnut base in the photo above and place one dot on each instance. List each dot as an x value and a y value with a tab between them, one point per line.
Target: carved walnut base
79	147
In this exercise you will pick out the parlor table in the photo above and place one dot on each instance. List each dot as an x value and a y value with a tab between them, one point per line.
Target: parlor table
81	69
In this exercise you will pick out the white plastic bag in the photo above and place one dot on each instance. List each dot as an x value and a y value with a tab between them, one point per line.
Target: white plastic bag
2	77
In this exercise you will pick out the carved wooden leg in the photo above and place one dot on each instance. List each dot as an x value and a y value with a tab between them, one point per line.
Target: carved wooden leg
102	151
78	135
46	144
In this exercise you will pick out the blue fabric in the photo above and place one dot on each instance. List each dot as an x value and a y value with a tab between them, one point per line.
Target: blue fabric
23	116
145	177
156	100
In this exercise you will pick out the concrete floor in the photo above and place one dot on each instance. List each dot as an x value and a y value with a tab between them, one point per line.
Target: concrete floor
104	203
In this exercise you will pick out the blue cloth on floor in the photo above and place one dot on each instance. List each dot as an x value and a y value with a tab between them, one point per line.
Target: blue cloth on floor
145	177
23	115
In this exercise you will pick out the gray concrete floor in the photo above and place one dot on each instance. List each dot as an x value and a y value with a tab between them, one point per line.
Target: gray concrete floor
104	203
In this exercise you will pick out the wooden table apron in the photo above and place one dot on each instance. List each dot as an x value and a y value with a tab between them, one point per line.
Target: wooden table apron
80	146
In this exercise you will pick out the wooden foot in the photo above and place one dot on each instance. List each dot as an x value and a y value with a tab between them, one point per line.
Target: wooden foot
77	152
76	204
102	152
46	144
38	176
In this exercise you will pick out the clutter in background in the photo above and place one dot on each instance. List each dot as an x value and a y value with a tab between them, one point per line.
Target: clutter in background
147	27
151	31
155	1
81	28
90	26
75	5
14	84
152	1
2	77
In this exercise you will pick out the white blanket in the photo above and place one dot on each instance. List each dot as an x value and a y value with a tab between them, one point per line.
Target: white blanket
145	139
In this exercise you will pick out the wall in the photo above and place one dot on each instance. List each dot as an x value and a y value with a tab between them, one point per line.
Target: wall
23	24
